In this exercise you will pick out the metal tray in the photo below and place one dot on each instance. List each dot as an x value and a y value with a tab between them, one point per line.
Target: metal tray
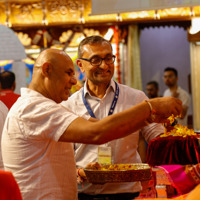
119	173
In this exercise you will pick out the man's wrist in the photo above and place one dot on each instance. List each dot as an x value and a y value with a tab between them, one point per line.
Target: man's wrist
152	116
78	171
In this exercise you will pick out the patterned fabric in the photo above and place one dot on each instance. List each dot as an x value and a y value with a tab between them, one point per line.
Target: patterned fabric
178	178
193	171
183	177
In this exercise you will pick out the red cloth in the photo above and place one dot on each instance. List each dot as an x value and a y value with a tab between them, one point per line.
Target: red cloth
8	97
9	189
173	150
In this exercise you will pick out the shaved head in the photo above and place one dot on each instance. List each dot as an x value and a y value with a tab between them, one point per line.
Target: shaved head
50	56
53	75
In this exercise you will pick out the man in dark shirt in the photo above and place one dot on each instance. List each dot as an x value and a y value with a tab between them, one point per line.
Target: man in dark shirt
152	89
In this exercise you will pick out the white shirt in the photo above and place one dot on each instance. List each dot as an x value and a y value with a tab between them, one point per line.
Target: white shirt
124	150
185	98
43	167
3	114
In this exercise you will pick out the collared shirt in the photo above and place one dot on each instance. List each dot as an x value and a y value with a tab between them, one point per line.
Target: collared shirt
3	114
8	97
43	167
124	150
185	98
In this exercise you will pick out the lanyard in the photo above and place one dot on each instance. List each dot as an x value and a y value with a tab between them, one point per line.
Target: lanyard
112	107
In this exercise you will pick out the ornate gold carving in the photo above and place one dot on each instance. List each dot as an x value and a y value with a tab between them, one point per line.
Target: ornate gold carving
78	36
196	11
63	11
174	12
2	13
24	38
138	15
56	12
26	13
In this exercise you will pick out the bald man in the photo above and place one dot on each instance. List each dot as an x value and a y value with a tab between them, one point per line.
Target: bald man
36	141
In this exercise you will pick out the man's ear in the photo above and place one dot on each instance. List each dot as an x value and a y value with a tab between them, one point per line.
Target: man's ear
46	69
79	63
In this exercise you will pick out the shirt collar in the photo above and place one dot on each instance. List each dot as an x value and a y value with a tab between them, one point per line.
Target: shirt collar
110	87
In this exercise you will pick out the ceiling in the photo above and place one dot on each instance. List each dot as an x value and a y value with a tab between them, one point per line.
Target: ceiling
66	13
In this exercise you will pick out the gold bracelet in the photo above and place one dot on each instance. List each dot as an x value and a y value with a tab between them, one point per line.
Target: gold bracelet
152	117
79	172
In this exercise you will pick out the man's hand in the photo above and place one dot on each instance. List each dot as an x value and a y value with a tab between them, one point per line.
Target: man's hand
93	165
165	107
81	174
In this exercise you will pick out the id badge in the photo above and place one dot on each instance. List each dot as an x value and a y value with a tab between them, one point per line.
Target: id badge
104	155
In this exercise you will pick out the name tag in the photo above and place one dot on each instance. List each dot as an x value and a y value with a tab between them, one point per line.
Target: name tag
104	155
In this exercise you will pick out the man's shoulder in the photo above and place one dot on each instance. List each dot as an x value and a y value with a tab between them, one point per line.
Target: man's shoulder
184	92
75	97
127	88
132	95
184	95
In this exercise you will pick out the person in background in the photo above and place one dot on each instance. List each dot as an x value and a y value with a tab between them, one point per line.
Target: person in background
3	114
171	81
99	97
9	189
7	95
152	89
38	132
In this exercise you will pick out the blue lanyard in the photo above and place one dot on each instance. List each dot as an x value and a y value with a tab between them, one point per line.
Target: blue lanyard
112	107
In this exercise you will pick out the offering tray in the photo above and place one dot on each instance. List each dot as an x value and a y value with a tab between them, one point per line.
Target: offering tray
119	173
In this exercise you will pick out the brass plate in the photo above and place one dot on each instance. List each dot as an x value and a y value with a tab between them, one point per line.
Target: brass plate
130	173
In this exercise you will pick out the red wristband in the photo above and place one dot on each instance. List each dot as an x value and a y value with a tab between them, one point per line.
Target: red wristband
78	171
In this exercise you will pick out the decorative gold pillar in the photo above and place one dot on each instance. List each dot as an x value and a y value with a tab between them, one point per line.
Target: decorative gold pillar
195	79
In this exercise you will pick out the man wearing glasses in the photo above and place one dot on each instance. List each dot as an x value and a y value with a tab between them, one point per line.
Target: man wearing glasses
102	96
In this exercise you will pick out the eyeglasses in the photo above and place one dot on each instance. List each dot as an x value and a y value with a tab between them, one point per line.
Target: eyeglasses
96	60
